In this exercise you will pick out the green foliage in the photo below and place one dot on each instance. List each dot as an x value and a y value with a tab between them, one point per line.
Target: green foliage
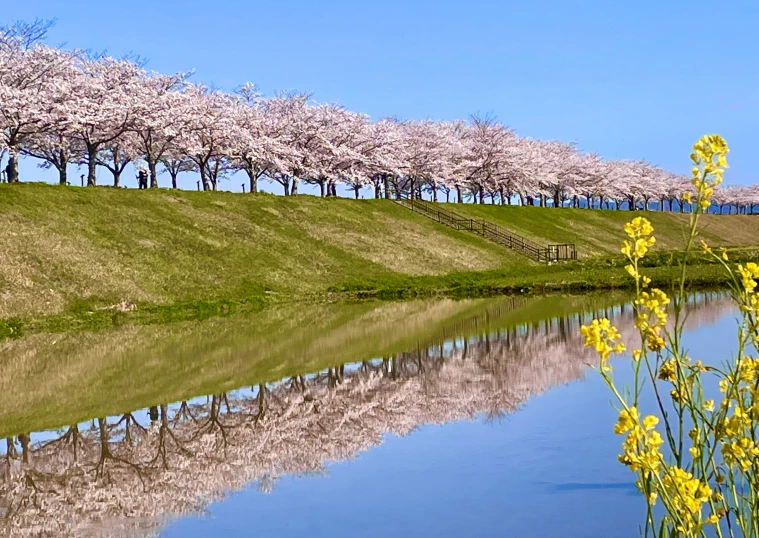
11	328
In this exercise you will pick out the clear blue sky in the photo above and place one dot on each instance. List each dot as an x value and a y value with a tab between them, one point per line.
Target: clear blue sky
626	79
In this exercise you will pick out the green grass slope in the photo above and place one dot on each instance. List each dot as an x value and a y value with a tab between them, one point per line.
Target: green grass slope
59	245
599	233
72	250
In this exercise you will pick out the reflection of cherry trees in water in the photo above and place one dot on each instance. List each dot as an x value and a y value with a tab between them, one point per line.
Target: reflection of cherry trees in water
133	471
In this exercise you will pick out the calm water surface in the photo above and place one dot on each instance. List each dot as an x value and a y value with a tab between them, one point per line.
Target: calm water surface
428	418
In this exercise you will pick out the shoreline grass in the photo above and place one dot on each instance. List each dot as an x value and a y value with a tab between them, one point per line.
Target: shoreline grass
573	278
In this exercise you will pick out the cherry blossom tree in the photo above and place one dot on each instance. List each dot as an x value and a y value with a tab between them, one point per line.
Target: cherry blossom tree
55	149
158	118
256	146
102	105
174	162
292	115
116	155
207	137
32	90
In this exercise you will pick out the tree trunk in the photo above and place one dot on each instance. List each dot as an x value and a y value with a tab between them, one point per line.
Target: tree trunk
24	439
294	188
458	195
92	153
62	180
116	177
152	168
253	177
482	195
321	188
204	177
334	190
173	178
387	187
377	191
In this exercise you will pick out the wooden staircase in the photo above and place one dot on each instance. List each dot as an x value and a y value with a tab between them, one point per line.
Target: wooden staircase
543	254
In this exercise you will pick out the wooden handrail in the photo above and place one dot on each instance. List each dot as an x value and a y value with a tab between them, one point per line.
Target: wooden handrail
498	234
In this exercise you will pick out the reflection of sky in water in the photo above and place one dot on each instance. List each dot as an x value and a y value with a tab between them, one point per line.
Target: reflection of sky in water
547	470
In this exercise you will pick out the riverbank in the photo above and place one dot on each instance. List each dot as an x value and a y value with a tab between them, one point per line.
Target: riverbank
71	255
589	276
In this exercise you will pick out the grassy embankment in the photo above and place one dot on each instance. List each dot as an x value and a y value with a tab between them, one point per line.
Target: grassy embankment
67	253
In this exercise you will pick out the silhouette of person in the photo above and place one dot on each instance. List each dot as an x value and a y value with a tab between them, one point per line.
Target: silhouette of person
142	178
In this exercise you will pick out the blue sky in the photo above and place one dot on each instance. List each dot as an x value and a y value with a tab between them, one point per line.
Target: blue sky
625	79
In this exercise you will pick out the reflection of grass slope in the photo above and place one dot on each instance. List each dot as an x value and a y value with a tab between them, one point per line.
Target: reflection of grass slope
65	378
600	232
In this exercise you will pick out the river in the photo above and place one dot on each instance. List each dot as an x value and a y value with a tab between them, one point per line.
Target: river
476	417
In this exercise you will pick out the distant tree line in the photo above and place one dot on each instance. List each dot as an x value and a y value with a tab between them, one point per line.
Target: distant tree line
67	107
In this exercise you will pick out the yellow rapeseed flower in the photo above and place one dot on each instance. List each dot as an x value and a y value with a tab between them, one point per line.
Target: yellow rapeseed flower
639	227
628	419
687	494
605	338
649	422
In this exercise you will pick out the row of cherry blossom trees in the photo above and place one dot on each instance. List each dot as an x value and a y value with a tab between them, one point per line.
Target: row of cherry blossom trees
66	107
